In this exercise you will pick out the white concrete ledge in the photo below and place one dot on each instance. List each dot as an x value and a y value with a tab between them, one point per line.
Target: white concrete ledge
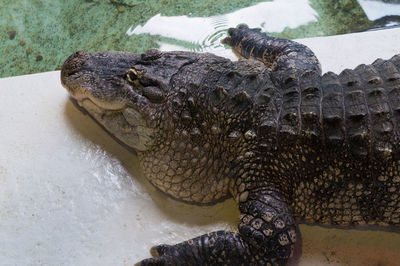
71	195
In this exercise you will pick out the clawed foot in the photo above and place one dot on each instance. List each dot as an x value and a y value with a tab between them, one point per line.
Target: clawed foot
226	248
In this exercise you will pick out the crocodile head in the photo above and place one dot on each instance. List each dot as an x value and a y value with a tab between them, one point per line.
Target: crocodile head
150	102
123	91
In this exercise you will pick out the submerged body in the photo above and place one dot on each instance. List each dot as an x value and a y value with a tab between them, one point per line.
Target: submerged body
288	143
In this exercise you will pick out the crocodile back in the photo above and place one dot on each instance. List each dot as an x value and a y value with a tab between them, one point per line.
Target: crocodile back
357	111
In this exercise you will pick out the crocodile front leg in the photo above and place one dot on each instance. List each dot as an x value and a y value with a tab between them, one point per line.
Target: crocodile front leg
266	236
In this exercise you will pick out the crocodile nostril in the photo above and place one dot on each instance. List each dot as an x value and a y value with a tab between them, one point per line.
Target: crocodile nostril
74	63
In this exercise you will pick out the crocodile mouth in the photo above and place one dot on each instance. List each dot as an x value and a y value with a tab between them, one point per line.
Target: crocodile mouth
83	97
94	106
126	124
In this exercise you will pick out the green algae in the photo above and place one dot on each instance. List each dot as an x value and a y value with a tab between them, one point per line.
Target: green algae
52	30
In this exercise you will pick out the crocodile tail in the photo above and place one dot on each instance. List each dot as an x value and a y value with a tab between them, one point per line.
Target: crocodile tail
275	53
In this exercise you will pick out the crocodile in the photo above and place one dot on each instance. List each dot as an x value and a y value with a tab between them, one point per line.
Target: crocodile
288	143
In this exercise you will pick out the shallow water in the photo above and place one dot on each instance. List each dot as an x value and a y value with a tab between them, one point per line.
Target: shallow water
38	35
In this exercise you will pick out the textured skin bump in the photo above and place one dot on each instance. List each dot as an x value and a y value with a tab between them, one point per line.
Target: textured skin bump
287	143
332	110
356	113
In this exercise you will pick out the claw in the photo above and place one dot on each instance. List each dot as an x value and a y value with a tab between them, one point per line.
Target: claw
227	40
159	250
160	257
152	262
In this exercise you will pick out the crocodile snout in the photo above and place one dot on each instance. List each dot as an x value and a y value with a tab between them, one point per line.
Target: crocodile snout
70	70
74	63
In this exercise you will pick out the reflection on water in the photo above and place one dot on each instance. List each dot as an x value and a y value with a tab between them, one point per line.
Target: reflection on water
205	33
378	9
384	14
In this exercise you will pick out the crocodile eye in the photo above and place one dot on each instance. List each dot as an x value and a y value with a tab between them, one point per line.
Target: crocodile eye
134	74
131	75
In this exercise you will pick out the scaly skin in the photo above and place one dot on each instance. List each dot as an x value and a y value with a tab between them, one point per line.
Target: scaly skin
287	143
